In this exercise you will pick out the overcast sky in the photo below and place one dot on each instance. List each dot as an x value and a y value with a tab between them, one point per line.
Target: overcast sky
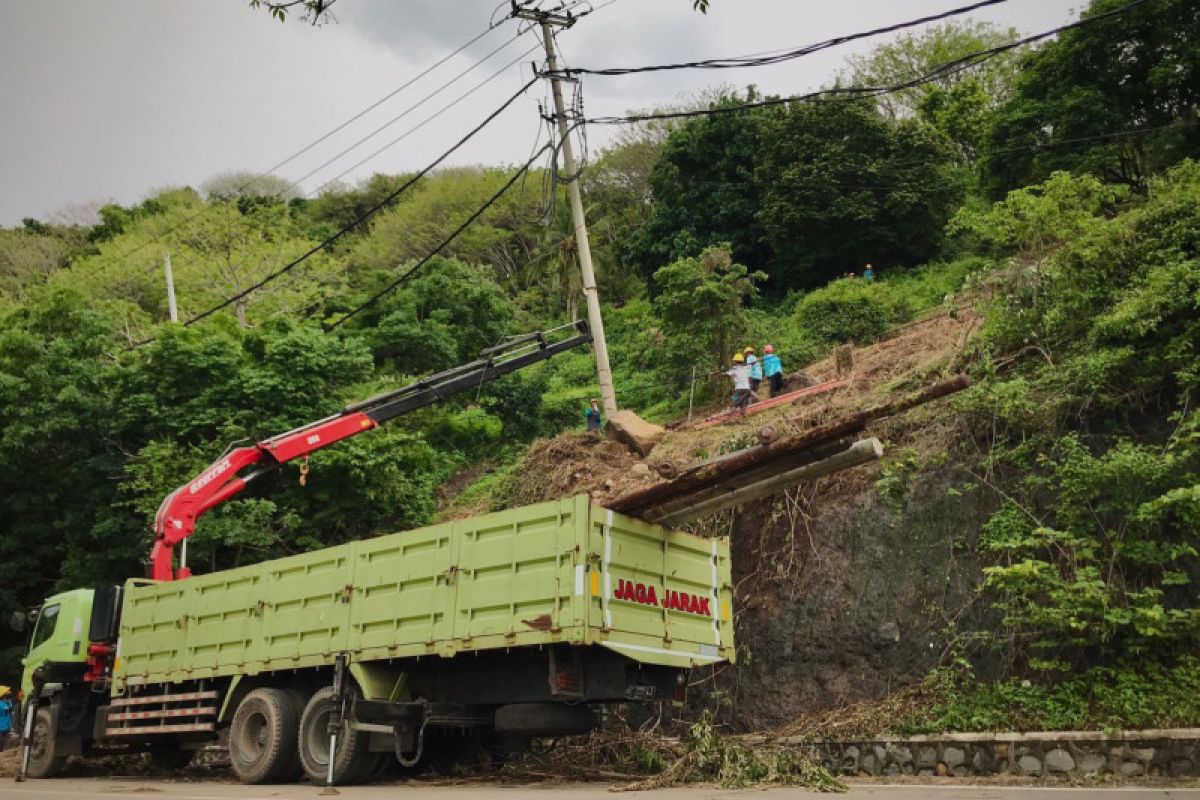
113	100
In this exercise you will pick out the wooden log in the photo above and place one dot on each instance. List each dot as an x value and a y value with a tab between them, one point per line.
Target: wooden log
635	502
860	452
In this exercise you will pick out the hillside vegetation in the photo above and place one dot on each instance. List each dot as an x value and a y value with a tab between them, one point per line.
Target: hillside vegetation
1034	222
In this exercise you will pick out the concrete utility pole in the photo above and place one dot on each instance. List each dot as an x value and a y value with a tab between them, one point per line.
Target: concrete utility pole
171	307
547	21
173	310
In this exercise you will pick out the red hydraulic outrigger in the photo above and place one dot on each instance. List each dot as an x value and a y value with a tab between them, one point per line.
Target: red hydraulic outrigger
176	518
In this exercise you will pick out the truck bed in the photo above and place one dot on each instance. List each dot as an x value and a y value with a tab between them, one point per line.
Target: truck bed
564	571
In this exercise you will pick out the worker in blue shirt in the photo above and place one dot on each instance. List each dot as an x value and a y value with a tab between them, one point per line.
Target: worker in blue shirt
6	716
756	373
594	420
773	370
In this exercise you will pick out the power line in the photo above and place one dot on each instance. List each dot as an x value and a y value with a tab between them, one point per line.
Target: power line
361	218
850	93
779	56
445	242
115	260
423	122
385	98
1128	132
403	113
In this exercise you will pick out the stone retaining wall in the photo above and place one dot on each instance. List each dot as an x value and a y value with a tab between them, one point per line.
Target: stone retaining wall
1173	752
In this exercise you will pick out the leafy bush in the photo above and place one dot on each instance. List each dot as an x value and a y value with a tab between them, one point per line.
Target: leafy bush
1093	430
928	286
1146	695
848	310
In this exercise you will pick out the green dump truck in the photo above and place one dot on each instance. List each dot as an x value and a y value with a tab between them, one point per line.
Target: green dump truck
409	646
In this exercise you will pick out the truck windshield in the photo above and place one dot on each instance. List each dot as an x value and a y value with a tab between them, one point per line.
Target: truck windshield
45	626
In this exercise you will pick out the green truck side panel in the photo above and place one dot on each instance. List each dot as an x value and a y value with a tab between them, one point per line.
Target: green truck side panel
529	576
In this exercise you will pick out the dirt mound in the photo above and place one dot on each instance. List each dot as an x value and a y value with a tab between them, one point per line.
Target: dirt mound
574	463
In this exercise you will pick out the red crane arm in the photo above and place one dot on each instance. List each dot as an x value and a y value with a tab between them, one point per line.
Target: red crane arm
177	516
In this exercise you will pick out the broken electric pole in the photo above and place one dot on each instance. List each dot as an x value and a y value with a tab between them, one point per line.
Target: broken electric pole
549	20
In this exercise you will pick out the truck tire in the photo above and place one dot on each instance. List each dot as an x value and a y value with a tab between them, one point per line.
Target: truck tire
353	762
299	700
262	737
44	760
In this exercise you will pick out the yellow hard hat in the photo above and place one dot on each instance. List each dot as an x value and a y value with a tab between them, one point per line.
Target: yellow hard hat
738	358
748	350
5	690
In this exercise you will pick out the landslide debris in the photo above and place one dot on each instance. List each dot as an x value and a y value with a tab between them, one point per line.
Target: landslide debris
911	357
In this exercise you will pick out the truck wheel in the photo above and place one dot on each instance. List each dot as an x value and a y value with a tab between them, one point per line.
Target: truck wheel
299	700
353	761
44	761
262	737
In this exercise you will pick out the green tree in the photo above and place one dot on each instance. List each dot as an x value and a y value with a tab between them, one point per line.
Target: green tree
504	237
338	206
1078	95
1033	222
217	249
705	192
30	255
56	460
1092	429
912	55
441	317
841	186
701	302
231	185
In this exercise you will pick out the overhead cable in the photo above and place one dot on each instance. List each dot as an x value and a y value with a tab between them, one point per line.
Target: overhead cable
778	56
362	217
551	146
114	260
850	93
391	287
385	98
363	140
424	122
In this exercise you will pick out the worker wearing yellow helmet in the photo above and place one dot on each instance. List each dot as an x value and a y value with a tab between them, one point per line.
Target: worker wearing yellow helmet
742	393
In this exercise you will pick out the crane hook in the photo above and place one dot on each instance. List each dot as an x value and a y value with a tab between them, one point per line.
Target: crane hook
304	472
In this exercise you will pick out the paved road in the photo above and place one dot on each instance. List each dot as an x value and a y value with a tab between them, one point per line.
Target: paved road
75	789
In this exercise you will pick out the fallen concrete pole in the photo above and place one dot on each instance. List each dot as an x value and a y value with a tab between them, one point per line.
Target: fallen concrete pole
860	452
748	478
779	451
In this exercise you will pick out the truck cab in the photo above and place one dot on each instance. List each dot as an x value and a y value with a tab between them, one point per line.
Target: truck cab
60	636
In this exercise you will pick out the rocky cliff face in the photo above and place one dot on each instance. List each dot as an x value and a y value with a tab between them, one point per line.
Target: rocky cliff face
849	598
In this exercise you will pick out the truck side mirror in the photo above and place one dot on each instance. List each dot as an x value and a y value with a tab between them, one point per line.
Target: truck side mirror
19	621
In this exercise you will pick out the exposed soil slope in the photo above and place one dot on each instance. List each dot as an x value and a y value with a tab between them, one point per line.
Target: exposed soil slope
842	595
